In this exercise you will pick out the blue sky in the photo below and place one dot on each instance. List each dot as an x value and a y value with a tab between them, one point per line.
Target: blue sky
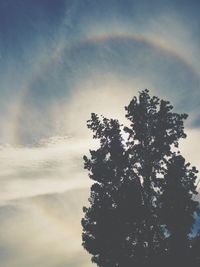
50	47
59	61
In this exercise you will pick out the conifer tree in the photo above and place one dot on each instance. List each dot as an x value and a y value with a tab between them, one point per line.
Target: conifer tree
124	225
154	132
178	208
109	226
195	255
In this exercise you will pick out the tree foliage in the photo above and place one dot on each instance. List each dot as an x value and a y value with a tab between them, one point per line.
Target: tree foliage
141	203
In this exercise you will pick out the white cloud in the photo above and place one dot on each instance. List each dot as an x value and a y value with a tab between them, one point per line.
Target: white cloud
43	231
190	148
54	166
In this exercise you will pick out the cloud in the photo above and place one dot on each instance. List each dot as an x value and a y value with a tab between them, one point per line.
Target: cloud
190	148
55	71
43	231
53	166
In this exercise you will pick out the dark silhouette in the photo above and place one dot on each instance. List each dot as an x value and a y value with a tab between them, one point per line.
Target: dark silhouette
195	249
141	204
178	208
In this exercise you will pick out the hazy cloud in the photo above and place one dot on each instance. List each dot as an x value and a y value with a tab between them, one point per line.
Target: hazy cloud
60	61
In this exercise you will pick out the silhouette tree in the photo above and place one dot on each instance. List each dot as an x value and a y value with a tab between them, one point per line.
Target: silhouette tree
126	223
106	234
153	132
195	250
178	208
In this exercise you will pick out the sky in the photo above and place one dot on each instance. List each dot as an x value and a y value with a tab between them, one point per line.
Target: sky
60	60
